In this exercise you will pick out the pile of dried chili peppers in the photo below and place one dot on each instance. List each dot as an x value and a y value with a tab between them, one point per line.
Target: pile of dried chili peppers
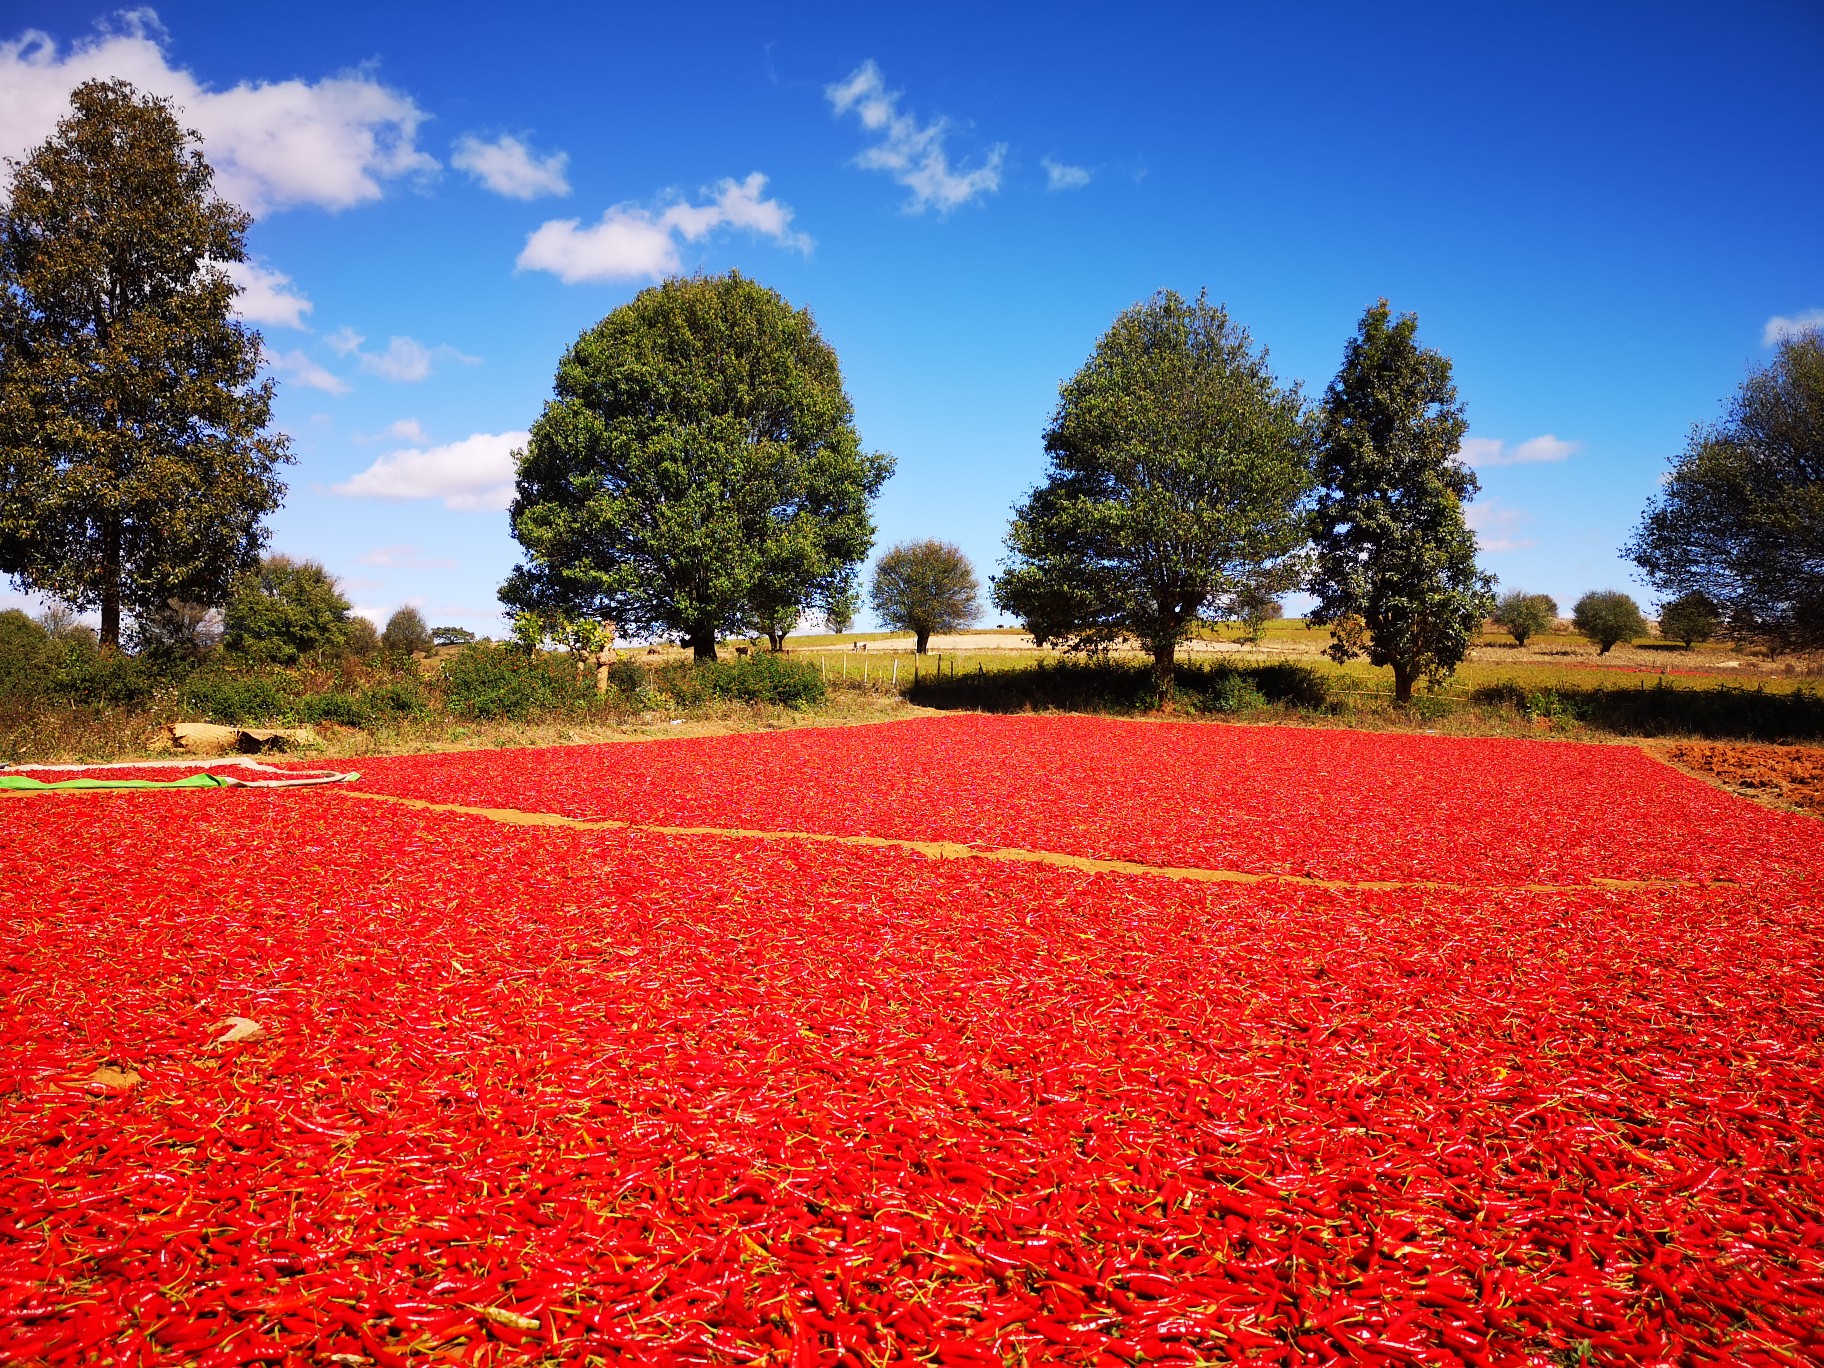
301	1077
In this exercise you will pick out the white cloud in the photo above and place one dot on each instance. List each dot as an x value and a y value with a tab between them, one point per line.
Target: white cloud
1063	176
408	430
299	369
330	143
1491	451
474	475
631	243
1779	327
405	360
911	152
406	557
1494	526
508	167
265	295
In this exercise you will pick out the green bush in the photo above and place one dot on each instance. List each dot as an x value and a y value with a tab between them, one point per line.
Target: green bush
403	696
764	678
234	699
1099	684
487	682
332	705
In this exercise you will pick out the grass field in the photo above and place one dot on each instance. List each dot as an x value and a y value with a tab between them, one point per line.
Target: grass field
964	1039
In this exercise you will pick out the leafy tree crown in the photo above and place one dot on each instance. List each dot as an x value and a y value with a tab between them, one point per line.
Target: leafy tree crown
405	631
1608	618
135	461
925	587
1396	574
1741	516
1178	478
698	471
283	611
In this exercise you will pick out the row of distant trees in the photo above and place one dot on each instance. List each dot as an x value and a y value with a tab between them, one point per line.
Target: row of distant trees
698	473
283	612
1608	617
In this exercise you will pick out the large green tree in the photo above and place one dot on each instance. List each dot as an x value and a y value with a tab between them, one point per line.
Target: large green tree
1177	480
698	472
1396	575
924	587
285	610
135	458
1741	517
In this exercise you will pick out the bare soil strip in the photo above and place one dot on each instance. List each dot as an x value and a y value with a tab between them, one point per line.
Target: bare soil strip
1789	778
950	850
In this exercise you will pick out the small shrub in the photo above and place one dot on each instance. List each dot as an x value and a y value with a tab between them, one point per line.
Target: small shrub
233	699
500	682
333	705
765	678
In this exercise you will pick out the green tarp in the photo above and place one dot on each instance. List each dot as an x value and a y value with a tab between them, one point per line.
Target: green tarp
25	783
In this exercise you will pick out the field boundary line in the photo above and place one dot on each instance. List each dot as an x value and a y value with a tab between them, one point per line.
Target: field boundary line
952	850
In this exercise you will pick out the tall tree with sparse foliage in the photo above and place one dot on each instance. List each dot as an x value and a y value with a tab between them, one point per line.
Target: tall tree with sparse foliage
924	587
1178	478
136	462
698	473
1396	577
1741	517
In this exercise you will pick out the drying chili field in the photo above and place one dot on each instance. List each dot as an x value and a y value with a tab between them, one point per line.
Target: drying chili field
958	1041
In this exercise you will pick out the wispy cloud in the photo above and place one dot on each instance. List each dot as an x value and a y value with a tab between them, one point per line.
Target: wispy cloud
1780	327
911	152
299	369
509	167
633	243
474	475
266	295
1491	451
332	143
1063	176
405	556
405	361
1494	526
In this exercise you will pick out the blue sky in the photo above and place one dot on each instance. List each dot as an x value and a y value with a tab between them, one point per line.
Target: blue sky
1600	213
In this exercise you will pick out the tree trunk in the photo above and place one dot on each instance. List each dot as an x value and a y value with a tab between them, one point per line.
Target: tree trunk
703	645
110	583
924	640
1404	677
1164	659
776	640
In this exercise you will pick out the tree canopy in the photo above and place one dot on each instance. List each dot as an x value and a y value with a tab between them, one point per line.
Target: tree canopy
1741	516
1608	617
1178	474
924	587
406	632
698	472
1690	618
1522	615
285	610
135	460
1396	575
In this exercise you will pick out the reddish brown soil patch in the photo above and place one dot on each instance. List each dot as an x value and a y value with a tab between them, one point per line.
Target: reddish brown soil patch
1792	776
